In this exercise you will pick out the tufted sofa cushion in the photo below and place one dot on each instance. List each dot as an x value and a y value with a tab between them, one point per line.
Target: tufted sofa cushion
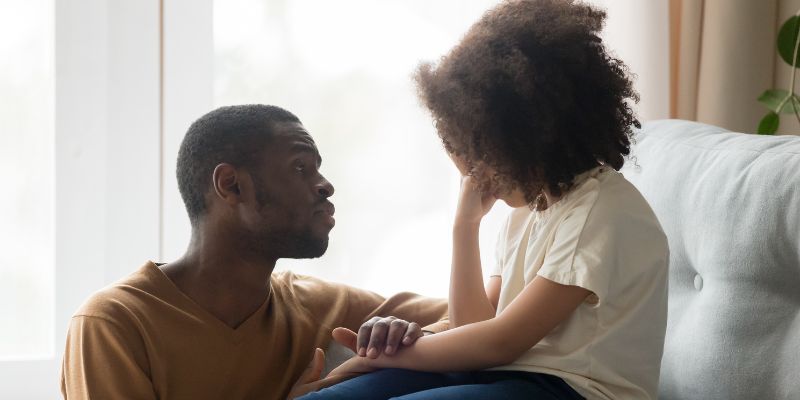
730	206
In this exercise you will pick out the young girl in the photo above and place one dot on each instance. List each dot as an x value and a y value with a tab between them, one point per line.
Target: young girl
535	112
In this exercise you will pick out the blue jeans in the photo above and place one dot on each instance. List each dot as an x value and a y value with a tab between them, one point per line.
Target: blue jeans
480	385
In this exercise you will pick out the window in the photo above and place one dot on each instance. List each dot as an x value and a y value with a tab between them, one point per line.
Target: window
345	68
27	169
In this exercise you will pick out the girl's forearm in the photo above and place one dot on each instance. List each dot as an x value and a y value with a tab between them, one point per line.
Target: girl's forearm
468	301
473	347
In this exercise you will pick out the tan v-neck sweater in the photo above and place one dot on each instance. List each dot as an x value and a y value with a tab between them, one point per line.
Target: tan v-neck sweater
142	338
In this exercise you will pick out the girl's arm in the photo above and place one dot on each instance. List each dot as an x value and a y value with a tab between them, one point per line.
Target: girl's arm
468	301
493	290
541	306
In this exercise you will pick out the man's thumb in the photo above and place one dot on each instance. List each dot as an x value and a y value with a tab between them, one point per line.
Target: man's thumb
314	370
346	338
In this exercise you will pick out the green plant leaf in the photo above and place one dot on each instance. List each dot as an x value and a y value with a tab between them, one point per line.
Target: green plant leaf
772	99
769	124
787	38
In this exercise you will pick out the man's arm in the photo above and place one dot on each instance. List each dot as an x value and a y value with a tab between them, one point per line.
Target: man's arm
338	305
365	306
101	362
430	313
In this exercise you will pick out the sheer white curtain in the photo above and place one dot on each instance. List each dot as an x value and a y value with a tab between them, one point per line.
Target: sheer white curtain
638	33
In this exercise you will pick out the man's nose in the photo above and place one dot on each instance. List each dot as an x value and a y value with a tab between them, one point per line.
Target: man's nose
324	188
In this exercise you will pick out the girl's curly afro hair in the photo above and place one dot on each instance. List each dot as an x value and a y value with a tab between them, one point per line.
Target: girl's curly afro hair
532	92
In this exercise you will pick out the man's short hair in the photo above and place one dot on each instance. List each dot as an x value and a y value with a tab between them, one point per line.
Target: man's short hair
235	135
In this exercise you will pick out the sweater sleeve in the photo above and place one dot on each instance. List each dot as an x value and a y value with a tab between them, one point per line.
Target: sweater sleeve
337	304
429	312
103	361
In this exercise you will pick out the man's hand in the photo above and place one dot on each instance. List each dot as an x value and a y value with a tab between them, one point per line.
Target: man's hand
310	380
379	335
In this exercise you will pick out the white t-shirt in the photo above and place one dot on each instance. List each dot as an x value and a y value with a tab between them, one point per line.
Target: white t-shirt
601	236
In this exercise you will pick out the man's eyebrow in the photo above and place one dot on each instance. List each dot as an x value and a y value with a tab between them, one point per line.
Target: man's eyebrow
303	147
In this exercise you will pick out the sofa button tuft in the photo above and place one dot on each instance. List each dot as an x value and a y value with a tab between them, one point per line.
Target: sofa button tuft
698	282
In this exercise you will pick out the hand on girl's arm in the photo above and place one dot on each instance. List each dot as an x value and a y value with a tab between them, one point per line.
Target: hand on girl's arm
386	335
540	307
379	335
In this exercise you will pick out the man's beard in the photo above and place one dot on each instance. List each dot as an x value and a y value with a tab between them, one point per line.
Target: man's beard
271	244
298	245
285	244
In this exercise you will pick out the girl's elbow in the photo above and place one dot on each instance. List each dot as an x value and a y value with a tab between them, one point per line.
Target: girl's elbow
506	352
507	356
512	346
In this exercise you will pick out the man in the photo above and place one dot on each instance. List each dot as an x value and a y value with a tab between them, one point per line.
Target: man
216	323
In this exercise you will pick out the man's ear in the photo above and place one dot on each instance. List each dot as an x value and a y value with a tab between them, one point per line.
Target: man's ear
226	184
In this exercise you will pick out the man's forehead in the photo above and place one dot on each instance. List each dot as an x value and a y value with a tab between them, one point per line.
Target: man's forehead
292	138
292	133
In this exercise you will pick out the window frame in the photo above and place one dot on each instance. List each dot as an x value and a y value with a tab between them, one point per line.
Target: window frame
107	163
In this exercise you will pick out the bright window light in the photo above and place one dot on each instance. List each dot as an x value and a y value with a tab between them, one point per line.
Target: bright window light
344	67
27	173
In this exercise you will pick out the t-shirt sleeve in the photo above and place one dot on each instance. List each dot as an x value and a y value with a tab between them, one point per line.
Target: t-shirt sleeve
500	250
583	253
101	361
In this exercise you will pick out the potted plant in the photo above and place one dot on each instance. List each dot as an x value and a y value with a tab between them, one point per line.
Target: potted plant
780	101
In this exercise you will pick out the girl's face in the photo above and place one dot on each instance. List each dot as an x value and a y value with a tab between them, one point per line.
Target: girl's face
514	199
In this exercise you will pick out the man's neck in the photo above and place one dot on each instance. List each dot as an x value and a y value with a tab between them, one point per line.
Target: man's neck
221	277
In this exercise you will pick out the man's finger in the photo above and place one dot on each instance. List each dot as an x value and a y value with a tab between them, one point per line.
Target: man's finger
346	338
364	333
314	370
397	329
413	333
378	338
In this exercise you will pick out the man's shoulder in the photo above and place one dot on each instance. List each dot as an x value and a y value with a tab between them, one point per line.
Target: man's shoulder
124	298
314	295
298	285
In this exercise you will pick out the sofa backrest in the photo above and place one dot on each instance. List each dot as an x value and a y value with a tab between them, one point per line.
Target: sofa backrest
730	206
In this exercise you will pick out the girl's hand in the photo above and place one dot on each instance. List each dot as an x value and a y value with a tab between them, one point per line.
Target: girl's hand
352	368
472	205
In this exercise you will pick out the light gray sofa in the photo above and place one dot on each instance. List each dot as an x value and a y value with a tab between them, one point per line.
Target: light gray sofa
730	206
